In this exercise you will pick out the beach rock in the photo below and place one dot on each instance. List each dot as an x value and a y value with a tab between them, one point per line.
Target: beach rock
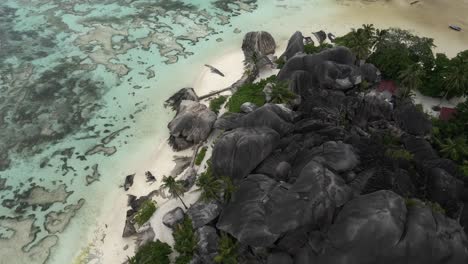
259	42
145	234
443	187
173	217
244	216
268	91
269	115
321	36
411	120
336	155
189	178
370	73
248	107
191	125
379	228
183	94
301	83
325	67
203	213
420	148
239	151
128	182
295	45
129	228
207	244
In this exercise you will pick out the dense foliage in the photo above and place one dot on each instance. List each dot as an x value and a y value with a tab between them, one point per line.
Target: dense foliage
281	94
216	103
185	241
200	156
145	212
227	251
152	252
213	188
451	139
251	92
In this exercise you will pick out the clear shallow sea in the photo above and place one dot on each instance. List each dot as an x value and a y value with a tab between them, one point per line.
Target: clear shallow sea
73	72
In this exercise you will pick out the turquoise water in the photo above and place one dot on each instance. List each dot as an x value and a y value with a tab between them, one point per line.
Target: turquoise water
72	73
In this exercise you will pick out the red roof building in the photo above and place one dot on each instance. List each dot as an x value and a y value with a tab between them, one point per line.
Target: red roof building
388	86
447	113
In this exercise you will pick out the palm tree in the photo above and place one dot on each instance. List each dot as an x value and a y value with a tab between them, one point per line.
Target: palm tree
411	78
209	186
175	188
456	78
456	149
227	250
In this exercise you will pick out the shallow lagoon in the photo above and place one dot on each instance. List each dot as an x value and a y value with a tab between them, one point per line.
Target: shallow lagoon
78	74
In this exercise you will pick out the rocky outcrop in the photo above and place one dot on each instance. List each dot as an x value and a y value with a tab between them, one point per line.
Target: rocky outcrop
295	45
181	95
145	234
173	217
203	213
248	107
207	244
411	120
272	116
380	228
260	43
191	125
239	151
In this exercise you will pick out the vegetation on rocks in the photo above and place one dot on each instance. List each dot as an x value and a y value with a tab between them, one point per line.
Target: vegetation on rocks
185	241
200	156
399	154
213	188
152	252
216	103
281	94
227	252
145	212
251	92
311	48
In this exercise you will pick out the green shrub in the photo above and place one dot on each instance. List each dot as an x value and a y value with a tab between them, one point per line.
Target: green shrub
390	140
420	108
185	241
210	187
435	207
280	62
281	94
200	156
227	251
145	212
152	252
251	92
216	103
411	202
399	154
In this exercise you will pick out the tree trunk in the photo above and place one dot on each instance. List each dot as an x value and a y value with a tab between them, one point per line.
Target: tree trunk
178	196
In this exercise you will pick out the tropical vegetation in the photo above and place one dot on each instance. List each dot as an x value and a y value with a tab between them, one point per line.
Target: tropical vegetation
175	188
216	103
185	241
227	250
145	212
200	156
213	188
152	252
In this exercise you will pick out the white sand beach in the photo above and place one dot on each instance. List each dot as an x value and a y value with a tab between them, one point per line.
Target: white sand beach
426	19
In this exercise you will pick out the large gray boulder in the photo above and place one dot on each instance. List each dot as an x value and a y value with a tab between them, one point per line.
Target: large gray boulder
203	213
145	234
295	45
334	61
173	217
269	115
244	216
239	151
207	244
260	43
262	210
411	120
370	73
336	155
380	228
191	125
443	187
183	94
279	258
